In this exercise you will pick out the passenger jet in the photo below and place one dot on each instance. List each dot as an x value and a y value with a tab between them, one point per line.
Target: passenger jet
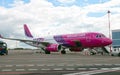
75	42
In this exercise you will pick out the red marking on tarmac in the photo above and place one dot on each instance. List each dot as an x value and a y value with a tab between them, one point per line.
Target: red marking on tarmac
117	71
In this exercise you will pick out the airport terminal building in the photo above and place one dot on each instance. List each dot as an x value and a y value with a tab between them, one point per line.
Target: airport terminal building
116	38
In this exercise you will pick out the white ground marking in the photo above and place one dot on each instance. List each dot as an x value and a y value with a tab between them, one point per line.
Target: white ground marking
107	64
90	72
79	64
69	68
93	68
45	69
82	68
105	68
89	65
32	69
7	70
98	64
40	64
70	65
50	65
117	68
20	69
58	69
8	65
30	65
20	65
60	65
117	64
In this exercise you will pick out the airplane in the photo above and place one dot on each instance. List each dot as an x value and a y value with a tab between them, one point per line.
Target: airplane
74	42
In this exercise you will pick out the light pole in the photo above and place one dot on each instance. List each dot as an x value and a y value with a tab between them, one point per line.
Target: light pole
109	27
109	23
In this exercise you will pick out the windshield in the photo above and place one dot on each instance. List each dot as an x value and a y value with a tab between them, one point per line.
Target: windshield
3	44
100	36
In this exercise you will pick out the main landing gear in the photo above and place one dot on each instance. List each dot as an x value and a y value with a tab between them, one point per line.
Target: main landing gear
63	52
47	52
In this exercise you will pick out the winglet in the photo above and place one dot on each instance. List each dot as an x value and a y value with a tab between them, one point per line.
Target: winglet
27	31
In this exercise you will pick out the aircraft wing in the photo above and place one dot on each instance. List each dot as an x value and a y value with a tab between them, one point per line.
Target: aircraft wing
27	40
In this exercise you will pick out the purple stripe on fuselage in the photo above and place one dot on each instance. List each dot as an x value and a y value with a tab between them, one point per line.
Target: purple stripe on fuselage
60	40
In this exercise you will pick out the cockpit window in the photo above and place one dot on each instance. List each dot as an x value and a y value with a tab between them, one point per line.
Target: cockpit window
103	35
99	36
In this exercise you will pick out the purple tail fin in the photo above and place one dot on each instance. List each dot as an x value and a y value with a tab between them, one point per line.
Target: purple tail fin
27	31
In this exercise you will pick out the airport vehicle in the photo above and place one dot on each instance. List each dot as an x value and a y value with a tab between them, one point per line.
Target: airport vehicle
115	52
75	42
3	48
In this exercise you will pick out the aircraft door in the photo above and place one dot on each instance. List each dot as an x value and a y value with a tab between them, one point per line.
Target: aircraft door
78	43
88	39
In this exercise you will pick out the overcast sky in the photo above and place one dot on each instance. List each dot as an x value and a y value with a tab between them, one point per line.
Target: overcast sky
53	17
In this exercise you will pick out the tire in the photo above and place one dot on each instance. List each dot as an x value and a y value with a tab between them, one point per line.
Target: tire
6	52
92	53
63	52
1	54
47	52
112	54
119	54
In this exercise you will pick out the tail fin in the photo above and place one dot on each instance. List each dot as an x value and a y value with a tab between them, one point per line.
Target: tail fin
27	31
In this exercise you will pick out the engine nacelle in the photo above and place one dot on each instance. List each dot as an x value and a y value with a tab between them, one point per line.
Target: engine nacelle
76	49
53	47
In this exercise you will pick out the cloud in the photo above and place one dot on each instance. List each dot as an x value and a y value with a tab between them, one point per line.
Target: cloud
66	1
17	3
43	19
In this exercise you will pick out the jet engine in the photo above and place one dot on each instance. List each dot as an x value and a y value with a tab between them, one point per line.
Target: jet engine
53	47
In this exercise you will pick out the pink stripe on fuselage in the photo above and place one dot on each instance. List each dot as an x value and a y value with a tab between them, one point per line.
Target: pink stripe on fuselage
86	39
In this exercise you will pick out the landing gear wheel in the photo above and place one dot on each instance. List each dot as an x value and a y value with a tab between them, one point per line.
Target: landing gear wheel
102	53
92	53
47	52
6	52
112	54
63	52
119	54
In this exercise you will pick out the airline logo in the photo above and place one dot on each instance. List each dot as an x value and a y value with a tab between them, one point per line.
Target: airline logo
39	39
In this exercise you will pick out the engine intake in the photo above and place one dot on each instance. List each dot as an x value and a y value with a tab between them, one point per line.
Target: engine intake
53	47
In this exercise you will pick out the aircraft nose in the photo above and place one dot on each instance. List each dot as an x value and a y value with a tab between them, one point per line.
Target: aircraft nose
108	41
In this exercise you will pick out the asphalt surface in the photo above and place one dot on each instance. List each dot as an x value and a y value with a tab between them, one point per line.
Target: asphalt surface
28	62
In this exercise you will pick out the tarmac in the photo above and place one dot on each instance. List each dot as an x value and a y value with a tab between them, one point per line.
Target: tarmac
28	62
